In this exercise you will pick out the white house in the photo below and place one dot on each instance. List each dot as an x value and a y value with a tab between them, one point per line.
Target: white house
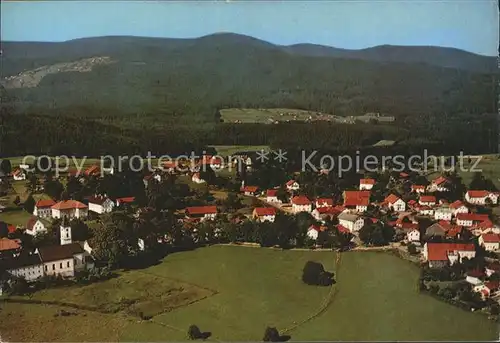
443	213
197	179
27	266
418	188
480	197
358	200
425	210
250	190
35	226
314	230
458	207
272	197
263	214
395	203
440	184
201	212
301	203
43	208
490	241
351	221
469	219
292	185
19	175
366	184
62	260
323	202
413	235
69	209
100	204
440	254
487	289
427	200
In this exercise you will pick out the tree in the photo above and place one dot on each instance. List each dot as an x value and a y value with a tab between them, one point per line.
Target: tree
314	274
412	249
29	204
376	234
17	200
4	229
5	166
53	188
79	230
271	334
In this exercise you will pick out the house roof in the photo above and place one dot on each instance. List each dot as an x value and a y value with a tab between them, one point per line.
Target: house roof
415	187
472	216
348	217
491	238
45	203
196	176
301	200
475	273
328	210
201	210
9	244
291	182
367	181
440	180
92	170
457	204
98	200
271	192
391	199
435	230
318	228
59	252
324	201
492	285
11	228
403	174
265	211
343	229
439	251
68	205
428	198
17	172
356	198
477	194
251	189
23	260
126	200
31	222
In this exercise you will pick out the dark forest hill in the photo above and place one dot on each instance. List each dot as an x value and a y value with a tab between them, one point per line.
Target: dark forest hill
192	78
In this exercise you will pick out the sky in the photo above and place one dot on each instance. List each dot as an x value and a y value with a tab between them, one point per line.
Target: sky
471	25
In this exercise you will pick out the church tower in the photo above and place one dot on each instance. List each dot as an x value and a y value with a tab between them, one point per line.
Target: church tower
65	232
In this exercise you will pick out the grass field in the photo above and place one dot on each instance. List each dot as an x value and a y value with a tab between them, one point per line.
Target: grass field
375	299
270	115
229	150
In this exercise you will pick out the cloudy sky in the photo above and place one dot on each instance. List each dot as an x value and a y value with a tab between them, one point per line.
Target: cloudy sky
470	25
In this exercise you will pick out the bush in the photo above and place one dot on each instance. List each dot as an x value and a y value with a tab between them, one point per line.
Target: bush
412	249
194	332
271	335
314	274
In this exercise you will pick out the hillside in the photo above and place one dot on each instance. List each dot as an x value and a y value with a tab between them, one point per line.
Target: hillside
193	78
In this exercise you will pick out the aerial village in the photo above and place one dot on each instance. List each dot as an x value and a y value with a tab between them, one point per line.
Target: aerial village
452	235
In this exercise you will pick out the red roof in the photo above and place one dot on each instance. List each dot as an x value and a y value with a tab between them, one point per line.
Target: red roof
356	198
291	182
453	231
440	180
11	228
45	203
271	192
170	164
301	200
329	210
9	244
485	224
343	229
417	187
491	238
324	201
265	211
201	210
439	251
317	228
92	170
477	194
472	216
403	174
31	223
475	273
492	285
412	202
17	172
457	204
68	204
250	189
126	200
428	198
367	182
391	199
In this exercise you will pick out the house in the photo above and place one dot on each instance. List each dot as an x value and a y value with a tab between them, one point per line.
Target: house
19	175
474	277
425	210
27	266
418	188
490	241
169	166
469	219
43	208
301	203
357	200
292	185
101	204
124	201
435	230
69	209
63	260
213	161
458	207
427	200
197	179
271	196
263	214
314	230
323	202
487	289
440	184
250	190
481	197
395	203
35	226
492	268
9	247
322	213
201	212
443	213
413	235
440	254
351	221
93	170
366	184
